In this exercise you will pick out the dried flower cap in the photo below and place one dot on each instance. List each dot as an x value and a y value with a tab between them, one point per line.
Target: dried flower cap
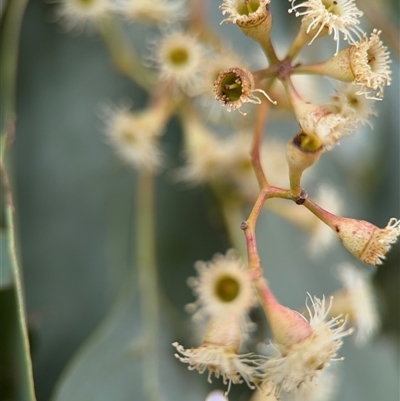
155	11
293	368
335	16
134	135
78	14
253	17
219	353
179	57
235	87
366	241
370	61
223	287
356	301
245	13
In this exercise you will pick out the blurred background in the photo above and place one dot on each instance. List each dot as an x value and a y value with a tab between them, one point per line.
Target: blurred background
75	208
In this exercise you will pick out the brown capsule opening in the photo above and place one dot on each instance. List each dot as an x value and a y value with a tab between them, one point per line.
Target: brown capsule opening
307	143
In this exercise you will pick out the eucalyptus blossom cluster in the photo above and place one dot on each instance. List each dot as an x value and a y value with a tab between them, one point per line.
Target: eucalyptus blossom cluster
198	77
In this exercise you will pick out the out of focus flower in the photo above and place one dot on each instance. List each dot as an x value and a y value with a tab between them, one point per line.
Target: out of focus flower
223	287
134	135
348	101
155	11
179	57
78	14
356	301
219	352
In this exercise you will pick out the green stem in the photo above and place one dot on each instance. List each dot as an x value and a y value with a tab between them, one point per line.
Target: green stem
303	37
233	218
123	55
269	51
26	379
148	281
12	18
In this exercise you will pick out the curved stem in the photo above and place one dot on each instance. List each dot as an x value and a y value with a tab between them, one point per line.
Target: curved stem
233	217
148	281
26	379
12	18
269	50
325	216
123	55
257	141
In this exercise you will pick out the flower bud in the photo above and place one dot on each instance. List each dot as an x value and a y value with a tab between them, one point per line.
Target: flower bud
288	326
356	301
366	241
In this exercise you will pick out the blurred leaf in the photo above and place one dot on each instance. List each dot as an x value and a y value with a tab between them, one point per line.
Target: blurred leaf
108	366
6	276
15	379
7	331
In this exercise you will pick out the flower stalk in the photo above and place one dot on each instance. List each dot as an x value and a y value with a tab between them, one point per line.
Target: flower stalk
123	55
148	281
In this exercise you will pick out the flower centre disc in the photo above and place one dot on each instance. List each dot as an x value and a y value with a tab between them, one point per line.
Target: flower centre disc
331	7
128	137
179	56
231	88
86	2
247	7
227	289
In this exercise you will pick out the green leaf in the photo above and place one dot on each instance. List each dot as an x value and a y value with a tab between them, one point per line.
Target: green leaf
109	365
6	275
